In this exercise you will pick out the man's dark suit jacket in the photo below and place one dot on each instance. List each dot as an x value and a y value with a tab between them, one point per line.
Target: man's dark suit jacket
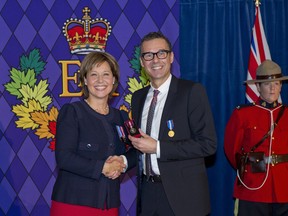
181	164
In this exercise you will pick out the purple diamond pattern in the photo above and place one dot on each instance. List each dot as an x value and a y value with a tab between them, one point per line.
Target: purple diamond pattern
7	195
52	66
170	21
37	9
25	26
49	157
147	2
146	21
157	15
125	66
24	4
1	4
118	30
136	14
5	111
4	73
6	155
17	208
16	174
14	141
6	33
12	19
128	187
49	4
98	4
29	194
27	166
105	11
10	57
40	173
40	207
50	32
28	154
48	189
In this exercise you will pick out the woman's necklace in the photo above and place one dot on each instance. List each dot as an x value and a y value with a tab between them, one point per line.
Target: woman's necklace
99	110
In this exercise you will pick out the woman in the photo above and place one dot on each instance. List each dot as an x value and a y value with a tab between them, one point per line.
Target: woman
259	131
86	140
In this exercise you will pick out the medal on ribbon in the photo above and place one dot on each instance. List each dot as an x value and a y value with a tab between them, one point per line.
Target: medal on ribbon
132	128
170	125
121	133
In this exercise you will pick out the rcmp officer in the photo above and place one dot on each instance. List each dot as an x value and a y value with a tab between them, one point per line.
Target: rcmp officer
260	132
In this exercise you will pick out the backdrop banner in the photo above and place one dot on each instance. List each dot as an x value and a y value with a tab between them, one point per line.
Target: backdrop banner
39	62
41	47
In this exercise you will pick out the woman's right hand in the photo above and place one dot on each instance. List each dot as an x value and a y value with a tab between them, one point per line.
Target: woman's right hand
113	167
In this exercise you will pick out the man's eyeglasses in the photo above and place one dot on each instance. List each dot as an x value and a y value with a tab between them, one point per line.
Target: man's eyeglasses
161	54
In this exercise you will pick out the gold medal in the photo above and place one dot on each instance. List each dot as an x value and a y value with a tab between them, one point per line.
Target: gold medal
171	133
170	125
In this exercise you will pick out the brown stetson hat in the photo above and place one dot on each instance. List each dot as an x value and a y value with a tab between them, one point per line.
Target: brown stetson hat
267	71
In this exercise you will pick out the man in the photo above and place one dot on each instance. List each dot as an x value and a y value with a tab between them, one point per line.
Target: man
182	135
260	131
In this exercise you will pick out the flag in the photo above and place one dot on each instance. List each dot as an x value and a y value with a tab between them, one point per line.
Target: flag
259	51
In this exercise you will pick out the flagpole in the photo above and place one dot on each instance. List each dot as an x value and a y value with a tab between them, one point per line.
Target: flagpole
257	3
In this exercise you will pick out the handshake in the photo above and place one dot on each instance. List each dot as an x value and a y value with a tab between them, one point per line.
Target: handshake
113	167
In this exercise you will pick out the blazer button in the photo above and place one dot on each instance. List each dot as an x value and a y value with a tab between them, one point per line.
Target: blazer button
111	145
89	146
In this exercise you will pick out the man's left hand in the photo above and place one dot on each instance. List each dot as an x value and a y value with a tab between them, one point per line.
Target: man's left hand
145	143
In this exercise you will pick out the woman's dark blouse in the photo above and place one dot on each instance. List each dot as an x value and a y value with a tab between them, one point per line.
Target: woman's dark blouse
84	140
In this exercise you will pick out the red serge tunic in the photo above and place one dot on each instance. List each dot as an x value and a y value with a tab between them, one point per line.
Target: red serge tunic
246	127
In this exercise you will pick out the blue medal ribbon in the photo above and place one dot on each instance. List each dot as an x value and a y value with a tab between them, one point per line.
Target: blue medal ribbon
170	125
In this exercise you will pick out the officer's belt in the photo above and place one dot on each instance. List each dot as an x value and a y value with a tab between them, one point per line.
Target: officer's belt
276	158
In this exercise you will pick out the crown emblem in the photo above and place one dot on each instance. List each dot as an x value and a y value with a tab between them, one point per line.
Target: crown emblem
86	35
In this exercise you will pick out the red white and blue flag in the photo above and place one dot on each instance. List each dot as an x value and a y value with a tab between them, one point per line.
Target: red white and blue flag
259	51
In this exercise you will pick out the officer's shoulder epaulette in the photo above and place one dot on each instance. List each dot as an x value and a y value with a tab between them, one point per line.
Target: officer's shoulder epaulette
245	105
